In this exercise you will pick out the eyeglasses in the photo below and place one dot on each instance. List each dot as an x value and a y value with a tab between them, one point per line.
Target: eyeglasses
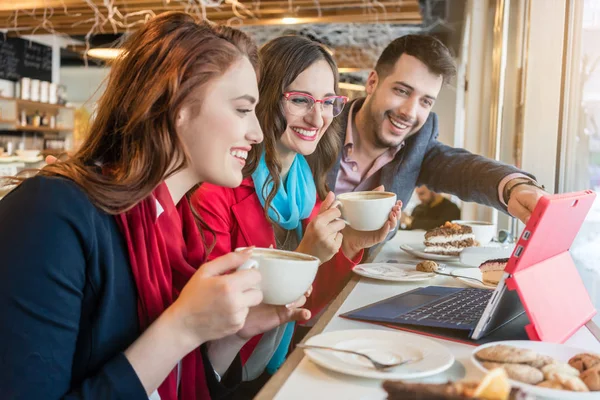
300	104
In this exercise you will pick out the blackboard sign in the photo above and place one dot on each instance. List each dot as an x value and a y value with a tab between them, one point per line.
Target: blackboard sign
23	58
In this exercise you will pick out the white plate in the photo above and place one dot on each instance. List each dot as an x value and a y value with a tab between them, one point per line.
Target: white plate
475	256
392	272
384	346
560	352
472	273
418	250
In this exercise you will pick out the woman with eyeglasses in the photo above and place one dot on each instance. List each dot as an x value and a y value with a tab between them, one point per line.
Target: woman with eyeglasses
284	201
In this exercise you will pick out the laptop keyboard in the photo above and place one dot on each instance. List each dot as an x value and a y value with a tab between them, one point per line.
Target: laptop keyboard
462	308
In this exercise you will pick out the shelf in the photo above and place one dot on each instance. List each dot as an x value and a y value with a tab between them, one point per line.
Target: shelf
7	121
41	129
37	104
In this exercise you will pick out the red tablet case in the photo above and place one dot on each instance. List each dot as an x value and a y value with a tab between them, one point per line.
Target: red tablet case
543	272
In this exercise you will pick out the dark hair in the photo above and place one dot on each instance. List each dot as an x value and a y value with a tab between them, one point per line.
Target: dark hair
282	60
427	49
133	135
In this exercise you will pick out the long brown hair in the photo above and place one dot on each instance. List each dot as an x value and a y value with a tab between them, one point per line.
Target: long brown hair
282	60
133	136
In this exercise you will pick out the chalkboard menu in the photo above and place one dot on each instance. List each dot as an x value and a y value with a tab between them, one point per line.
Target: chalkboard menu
23	58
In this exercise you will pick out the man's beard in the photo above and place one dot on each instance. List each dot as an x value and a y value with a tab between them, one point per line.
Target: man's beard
377	135
375	125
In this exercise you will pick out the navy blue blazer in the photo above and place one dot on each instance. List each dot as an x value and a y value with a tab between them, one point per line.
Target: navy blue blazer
68	300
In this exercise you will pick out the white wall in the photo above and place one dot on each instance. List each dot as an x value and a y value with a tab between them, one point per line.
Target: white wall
84	85
445	108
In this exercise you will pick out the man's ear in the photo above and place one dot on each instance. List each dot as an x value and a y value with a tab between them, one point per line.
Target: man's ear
372	82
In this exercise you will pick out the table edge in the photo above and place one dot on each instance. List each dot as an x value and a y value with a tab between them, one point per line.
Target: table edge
274	384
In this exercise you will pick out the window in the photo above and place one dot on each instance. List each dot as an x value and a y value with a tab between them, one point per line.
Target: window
579	150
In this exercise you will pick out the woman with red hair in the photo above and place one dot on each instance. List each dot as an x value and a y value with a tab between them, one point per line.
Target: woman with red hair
102	292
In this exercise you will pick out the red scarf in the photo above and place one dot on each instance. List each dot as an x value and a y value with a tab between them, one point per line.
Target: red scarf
165	249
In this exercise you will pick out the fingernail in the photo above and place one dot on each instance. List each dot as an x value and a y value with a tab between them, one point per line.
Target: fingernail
289	306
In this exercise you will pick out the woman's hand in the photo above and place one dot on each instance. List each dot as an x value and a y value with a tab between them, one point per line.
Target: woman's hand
354	241
261	319
265	317
323	236
213	305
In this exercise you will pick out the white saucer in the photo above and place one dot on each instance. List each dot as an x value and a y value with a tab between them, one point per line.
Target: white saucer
475	256
560	352
418	250
385	346
392	272
472	273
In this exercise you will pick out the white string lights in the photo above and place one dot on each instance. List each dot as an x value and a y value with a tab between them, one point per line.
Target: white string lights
357	45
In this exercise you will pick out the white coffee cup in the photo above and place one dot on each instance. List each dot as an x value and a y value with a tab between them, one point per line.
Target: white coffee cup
484	231
286	275
366	211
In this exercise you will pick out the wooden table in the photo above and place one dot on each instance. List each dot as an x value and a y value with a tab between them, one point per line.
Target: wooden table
299	378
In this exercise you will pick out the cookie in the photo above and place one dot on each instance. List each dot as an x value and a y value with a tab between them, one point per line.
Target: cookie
519	372
541	361
584	361
551	370
506	354
427	266
575	384
591	378
552	385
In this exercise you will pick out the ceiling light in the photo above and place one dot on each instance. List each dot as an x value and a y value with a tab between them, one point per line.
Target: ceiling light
289	20
104	53
351	86
346	70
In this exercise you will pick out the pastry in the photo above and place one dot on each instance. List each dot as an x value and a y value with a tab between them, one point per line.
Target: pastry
506	354
427	266
492	270
569	382
519	372
552	385
584	361
541	361
449	239
418	391
557	368
591	378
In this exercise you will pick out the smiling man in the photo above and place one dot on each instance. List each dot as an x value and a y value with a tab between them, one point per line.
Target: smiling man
390	137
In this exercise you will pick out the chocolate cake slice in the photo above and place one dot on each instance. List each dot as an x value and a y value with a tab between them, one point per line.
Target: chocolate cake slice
449	239
493	270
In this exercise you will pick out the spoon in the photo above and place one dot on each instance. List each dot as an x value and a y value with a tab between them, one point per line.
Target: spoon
378	365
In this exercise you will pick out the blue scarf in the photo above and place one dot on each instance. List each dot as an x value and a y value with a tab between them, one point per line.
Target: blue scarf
296	197
294	201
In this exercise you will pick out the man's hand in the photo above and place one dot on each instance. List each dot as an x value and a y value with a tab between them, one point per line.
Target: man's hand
406	220
523	200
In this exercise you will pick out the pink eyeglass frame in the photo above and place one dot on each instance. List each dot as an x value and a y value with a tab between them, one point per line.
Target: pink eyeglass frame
288	94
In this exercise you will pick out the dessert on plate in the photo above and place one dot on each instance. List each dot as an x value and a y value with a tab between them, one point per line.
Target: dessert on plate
427	266
449	239
493	386
580	374
492	270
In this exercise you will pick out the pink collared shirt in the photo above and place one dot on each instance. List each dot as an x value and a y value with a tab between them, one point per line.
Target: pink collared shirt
349	176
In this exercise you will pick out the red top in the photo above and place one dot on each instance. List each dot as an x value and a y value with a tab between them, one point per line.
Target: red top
238	220
165	250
